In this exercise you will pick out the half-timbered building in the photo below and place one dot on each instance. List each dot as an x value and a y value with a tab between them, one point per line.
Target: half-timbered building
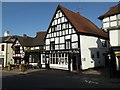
73	42
28	50
111	24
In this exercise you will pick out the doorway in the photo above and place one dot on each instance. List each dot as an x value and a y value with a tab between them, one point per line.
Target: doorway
106	60
74	64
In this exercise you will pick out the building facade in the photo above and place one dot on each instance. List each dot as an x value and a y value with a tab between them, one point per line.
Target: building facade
73	42
28	50
6	50
111	24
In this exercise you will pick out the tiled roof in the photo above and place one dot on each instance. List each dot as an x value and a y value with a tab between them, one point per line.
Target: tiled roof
39	39
82	24
112	11
25	40
30	41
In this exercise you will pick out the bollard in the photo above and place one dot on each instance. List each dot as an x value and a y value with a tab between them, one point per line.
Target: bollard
9	67
22	67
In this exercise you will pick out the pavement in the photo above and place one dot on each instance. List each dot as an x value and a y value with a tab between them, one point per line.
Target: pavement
17	71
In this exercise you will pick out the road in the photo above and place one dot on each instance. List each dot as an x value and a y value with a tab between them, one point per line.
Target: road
56	79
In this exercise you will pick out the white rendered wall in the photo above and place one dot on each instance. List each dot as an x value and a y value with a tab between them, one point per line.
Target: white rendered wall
114	37
111	21
118	37
105	19
90	47
74	37
7	53
3	53
10	54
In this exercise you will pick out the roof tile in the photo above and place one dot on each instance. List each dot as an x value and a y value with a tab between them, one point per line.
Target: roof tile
82	24
112	11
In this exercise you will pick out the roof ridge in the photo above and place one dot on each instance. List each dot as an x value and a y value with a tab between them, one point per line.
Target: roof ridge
82	24
111	11
66	9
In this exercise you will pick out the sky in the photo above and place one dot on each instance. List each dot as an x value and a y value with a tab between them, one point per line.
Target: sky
30	17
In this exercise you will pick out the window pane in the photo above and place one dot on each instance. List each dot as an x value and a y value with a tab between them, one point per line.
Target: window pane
68	44
53	60
2	48
56	60
52	45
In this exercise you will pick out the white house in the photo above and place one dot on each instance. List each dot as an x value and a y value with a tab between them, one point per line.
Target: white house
73	42
111	24
6	50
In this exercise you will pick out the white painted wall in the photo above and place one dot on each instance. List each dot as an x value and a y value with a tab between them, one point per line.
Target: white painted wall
47	41
75	45
74	37
105	19
106	25
89	46
114	17
114	37
118	16
118	37
113	23
47	47
62	46
110	21
62	40
67	37
7	53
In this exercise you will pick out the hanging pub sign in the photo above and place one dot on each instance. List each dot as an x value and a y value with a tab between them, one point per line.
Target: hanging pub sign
116	52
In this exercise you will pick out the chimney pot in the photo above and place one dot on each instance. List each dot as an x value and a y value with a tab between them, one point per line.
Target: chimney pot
6	33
